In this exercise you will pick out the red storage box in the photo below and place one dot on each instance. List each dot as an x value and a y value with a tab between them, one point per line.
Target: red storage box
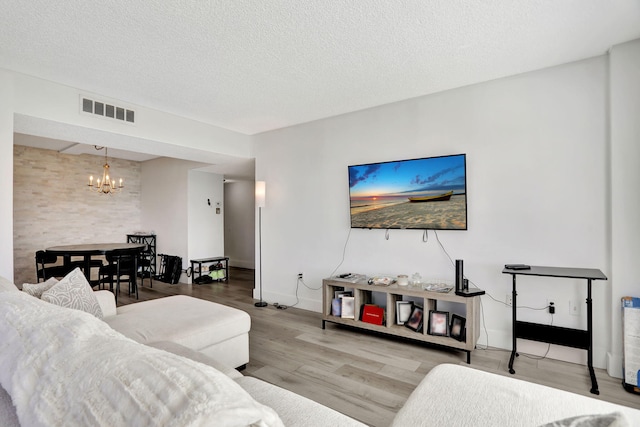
373	314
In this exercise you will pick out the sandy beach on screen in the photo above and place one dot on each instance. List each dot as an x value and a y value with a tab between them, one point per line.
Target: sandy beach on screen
438	215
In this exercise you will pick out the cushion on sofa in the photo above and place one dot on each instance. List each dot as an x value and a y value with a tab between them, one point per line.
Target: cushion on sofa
107	301
73	291
191	322
454	395
65	367
183	351
293	409
37	289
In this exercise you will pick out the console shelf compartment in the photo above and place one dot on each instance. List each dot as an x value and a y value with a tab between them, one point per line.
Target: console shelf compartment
363	294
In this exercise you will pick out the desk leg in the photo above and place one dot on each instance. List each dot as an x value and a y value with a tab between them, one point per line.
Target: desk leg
594	382
513	321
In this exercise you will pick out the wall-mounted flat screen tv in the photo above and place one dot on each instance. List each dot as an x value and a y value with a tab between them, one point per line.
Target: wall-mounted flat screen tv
428	193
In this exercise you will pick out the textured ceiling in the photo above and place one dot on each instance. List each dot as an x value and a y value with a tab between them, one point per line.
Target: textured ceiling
253	66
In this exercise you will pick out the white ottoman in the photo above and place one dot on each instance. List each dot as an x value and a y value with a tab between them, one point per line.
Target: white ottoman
216	330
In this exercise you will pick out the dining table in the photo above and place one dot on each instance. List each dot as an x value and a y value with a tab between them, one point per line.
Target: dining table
89	250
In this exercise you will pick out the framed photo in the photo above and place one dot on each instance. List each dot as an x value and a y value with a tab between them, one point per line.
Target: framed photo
348	308
415	319
438	323
340	294
336	307
403	311
457	330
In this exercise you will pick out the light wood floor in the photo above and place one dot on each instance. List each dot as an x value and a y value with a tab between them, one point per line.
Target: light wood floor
363	375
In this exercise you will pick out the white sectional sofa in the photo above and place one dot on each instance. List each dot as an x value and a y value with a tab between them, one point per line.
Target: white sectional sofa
60	366
215	330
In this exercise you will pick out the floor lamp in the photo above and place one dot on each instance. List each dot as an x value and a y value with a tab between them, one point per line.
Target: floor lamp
260	202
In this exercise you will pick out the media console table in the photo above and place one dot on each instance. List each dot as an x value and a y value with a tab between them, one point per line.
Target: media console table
363	294
576	338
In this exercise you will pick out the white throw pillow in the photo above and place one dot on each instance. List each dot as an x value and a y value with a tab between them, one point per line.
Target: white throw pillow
73	291
37	289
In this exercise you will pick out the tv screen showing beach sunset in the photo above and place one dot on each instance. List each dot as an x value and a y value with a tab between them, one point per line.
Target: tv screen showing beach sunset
425	193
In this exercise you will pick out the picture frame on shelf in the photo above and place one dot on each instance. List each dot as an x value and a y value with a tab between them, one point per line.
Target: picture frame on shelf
348	308
403	311
416	319
343	293
438	323
457	329
336	307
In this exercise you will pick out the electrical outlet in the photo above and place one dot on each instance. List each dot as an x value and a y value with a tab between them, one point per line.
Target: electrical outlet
552	307
509	299
300	276
574	308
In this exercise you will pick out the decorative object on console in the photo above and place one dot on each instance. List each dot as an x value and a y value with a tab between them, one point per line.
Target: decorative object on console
457	330
403	311
459	275
416	319
403	280
438	323
261	192
424	194
105	185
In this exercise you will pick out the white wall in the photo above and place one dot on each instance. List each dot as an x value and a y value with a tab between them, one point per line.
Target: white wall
164	189
537	185
174	207
60	104
625	177
43	108
6	174
206	226
239	220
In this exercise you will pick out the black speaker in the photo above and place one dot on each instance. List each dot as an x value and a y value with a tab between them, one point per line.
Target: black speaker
459	275
462	284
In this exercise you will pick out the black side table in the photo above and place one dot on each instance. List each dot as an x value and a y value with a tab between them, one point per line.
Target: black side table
576	338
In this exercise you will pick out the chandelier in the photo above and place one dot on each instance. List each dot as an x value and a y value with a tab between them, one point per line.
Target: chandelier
105	185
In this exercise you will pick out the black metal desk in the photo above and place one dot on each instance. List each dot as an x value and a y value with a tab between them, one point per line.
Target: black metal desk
575	338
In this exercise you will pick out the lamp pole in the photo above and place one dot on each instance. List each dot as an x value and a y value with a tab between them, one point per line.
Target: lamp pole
260	201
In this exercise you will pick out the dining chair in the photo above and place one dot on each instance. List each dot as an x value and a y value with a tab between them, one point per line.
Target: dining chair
47	267
119	265
144	265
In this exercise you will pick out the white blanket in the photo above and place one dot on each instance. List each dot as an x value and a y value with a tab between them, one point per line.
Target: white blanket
64	367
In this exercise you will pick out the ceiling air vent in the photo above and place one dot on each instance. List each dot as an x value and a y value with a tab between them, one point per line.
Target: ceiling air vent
105	109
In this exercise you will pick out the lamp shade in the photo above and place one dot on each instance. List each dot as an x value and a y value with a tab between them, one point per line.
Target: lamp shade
261	191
